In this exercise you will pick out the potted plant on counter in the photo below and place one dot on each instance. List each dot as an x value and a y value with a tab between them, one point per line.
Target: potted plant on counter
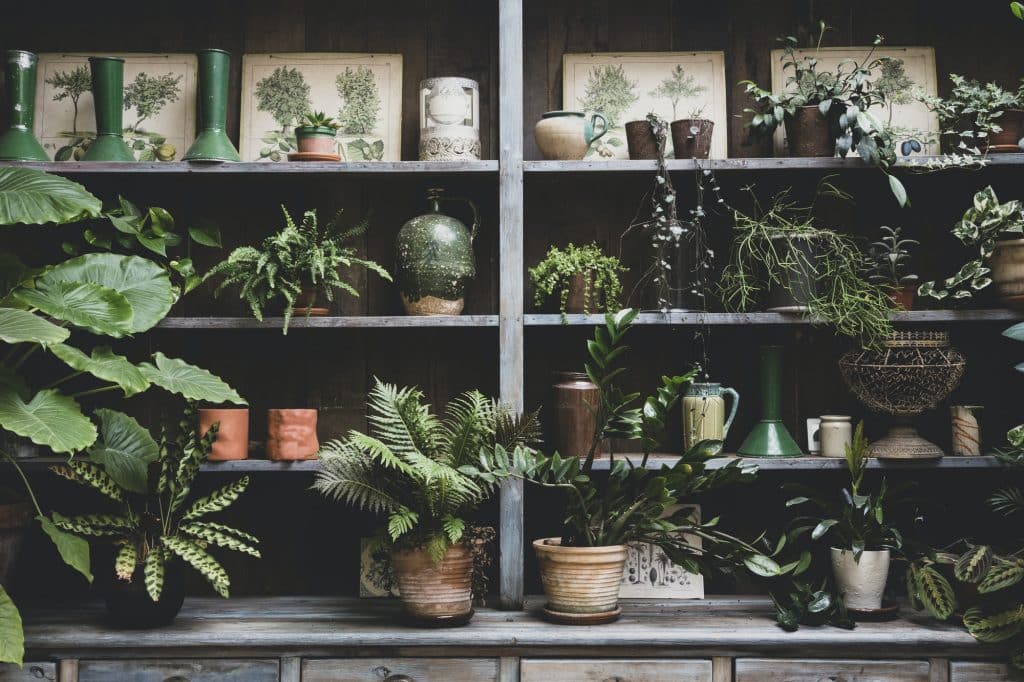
997	230
296	265
409	470
583	278
691	136
317	136
887	266
582	570
979	118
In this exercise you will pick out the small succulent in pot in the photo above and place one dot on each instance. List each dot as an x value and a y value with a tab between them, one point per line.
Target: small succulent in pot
317	133
584	279
887	265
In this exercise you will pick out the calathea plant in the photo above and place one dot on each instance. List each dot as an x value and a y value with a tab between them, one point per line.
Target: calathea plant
301	257
561	269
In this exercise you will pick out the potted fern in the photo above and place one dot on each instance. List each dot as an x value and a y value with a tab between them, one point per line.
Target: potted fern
409	470
296	265
157	527
583	278
317	135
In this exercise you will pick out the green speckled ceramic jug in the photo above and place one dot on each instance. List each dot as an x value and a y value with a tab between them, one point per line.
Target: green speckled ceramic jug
434	259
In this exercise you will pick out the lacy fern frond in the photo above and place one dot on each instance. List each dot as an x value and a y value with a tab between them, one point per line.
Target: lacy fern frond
1007	501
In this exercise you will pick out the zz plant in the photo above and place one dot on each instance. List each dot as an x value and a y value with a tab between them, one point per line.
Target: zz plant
599	273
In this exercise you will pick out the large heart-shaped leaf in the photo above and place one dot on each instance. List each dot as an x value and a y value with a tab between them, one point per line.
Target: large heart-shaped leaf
73	549
34	197
104	364
49	419
124	449
12	637
145	284
84	304
21	326
194	383
1016	332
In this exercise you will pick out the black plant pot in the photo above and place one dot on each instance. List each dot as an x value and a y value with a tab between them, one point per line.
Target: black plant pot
129	605
800	286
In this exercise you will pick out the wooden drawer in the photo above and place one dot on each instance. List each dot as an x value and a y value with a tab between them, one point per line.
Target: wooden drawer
400	670
962	671
769	670
30	672
192	670
613	670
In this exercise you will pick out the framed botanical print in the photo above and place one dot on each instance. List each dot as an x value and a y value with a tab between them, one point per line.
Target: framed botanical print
626	86
650	574
362	92
910	69
159	104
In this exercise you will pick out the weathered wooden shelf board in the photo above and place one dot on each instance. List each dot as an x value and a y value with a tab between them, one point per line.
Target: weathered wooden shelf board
250	168
356	321
744	164
656	318
816	463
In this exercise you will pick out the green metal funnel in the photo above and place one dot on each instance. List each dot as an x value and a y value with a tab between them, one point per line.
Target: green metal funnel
212	143
17	143
770	437
108	98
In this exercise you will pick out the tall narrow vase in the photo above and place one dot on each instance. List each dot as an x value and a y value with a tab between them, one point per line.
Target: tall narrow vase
770	438
212	143
108	98
17	142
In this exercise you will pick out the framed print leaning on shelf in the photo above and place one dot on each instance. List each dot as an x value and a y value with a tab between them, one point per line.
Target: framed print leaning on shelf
650	574
361	92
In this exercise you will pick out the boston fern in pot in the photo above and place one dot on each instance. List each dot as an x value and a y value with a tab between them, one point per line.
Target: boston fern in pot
409	470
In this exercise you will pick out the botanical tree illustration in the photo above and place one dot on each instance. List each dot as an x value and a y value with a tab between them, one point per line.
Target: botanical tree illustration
71	85
285	95
679	85
149	94
360	100
894	84
609	91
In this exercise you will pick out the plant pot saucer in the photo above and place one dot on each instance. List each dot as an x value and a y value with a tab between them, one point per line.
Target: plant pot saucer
313	156
562	618
456	621
889	610
311	312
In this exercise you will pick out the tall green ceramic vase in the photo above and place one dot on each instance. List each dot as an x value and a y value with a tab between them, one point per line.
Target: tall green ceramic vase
770	438
108	99
17	142
212	143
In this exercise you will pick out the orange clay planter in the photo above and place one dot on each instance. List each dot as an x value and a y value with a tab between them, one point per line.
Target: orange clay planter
291	435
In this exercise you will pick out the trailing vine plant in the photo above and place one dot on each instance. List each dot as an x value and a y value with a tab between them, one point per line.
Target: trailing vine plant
599	273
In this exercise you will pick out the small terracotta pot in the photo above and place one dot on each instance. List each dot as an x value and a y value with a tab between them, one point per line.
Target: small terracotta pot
575	302
640	140
432	305
691	138
14	519
232	435
1007	263
862	583
435	594
903	296
808	135
291	435
316	140
580	582
305	303
1008	139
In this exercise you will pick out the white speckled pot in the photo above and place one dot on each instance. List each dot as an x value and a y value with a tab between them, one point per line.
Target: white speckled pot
861	583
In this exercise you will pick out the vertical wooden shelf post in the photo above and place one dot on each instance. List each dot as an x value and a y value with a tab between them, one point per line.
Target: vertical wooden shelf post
510	281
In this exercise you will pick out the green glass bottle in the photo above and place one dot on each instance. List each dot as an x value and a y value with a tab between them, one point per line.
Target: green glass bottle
17	143
212	143
108	99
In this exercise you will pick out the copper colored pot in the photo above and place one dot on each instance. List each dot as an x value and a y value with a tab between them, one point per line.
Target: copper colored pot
807	133
232	435
291	435
435	594
641	141
903	296
691	138
576	399
576	300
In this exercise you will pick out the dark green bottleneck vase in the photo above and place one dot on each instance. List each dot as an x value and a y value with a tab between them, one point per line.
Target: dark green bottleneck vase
212	143
17	143
770	438
108	99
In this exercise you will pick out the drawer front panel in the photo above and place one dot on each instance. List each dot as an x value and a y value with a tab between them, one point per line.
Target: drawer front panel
768	670
614	670
400	670
962	671
30	672
192	670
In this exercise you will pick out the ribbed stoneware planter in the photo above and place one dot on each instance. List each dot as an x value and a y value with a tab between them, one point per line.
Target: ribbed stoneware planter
581	583
435	595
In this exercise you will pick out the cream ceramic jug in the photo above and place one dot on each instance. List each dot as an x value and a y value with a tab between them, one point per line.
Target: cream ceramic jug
704	416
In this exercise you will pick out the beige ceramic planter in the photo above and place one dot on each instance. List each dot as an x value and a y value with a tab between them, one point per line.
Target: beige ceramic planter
581	583
436	594
862	583
1007	262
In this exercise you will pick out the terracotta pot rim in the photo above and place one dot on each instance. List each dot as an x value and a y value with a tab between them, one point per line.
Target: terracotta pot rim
292	409
554	545
223	409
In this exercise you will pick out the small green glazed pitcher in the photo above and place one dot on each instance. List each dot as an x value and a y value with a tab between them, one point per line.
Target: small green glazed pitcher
704	415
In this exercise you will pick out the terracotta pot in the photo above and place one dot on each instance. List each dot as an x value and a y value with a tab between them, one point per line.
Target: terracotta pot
291	435
14	519
305	303
862	583
691	138
232	435
316	140
903	296
808	135
640	140
580	582
1008	139
435	594
130	606
576	401
1007	263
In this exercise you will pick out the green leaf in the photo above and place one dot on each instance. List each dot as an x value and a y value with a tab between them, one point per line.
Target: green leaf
1017	9
1016	332
21	326
194	383
73	549
1003	574
124	449
91	306
142	282
34	197
12	637
972	566
205	232
935	592
761	565
49	419
898	190
154	572
822	528
104	364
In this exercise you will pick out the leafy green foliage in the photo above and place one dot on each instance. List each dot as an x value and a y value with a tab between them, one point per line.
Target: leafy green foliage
284	94
188	381
299	257
21	326
888	257
124	449
12	638
360	99
319	119
105	365
49	418
34	197
600	276
970	114
801	602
